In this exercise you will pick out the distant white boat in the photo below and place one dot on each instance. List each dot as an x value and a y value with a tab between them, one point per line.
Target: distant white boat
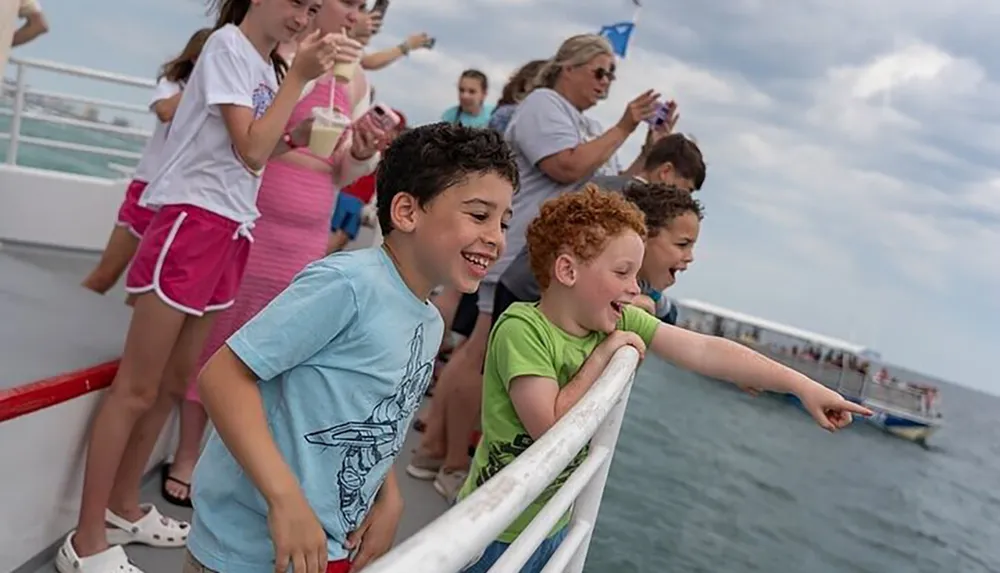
902	409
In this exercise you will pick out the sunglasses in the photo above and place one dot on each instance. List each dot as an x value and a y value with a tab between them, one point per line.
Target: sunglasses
600	74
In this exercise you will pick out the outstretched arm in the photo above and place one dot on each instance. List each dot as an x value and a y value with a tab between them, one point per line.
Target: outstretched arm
726	360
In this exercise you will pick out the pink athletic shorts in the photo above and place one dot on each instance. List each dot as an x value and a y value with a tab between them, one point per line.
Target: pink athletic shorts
131	215
192	258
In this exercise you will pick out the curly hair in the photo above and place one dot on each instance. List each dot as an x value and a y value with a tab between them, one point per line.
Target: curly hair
427	160
661	204
579	223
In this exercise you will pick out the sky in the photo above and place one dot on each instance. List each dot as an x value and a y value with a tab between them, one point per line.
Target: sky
851	190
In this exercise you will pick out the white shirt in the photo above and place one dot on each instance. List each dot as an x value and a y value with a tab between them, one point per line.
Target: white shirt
200	166
150	161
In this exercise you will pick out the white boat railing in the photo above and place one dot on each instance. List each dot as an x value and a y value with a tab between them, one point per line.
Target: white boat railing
19	113
457	538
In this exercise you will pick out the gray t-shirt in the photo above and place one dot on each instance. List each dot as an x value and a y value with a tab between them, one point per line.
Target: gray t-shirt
518	278
544	124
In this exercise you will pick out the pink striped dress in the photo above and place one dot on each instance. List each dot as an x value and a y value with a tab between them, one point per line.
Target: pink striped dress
295	206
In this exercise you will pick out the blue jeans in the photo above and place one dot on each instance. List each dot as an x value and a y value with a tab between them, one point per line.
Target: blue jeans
535	564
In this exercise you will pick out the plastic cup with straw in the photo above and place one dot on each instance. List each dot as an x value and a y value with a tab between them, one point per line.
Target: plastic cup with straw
329	123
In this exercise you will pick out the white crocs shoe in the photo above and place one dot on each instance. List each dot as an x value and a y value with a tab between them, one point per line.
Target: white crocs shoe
153	529
111	560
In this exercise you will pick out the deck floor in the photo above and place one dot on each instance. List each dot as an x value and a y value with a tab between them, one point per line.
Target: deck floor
423	505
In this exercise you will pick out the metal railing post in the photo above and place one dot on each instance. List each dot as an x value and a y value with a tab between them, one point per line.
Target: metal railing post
588	505
15	121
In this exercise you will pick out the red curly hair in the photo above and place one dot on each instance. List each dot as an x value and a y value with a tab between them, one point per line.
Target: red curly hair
579	223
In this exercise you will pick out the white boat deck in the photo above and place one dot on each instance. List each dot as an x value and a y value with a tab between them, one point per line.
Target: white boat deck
51	325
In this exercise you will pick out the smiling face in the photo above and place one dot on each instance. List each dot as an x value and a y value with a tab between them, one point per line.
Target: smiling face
599	289
670	251
592	81
459	234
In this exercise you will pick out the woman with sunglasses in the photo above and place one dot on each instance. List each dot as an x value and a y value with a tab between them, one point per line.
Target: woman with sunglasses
557	148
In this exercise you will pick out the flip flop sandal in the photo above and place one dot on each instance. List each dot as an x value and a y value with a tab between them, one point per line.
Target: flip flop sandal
153	529
165	493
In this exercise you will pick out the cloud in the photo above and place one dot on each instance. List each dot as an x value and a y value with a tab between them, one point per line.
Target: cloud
853	187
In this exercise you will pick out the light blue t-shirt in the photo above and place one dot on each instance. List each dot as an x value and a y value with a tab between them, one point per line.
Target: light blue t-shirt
344	356
455	115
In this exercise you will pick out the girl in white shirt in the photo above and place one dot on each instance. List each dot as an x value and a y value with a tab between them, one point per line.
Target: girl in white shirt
190	260
133	218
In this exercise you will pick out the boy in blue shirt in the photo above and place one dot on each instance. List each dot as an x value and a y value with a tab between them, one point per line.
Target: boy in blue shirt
312	398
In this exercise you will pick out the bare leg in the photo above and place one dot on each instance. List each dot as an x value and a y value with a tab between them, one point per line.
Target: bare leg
124	500
464	405
151	338
115	259
193	422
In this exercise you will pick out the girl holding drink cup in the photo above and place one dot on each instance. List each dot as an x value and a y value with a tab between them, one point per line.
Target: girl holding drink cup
191	259
296	196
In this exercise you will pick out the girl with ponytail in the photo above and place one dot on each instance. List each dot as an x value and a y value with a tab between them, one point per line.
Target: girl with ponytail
190	261
132	218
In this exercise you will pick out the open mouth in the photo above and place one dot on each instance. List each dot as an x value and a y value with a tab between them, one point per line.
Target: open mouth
618	306
479	263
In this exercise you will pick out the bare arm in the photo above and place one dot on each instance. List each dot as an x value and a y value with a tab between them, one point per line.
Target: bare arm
230	394
166	108
540	403
382	58
579	163
35	26
724	359
257	140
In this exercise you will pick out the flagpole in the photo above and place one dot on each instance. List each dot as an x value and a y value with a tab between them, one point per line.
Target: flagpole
635	17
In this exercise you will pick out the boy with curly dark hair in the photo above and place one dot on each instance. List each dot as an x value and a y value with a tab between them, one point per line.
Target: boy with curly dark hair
586	252
312	398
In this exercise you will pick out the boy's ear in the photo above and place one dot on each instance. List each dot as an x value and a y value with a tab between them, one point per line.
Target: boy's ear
564	270
404	211
665	172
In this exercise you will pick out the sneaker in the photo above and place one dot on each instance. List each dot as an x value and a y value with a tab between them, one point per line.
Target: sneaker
423	467
449	482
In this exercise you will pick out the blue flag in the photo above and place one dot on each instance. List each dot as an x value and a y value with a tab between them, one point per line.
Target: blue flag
618	36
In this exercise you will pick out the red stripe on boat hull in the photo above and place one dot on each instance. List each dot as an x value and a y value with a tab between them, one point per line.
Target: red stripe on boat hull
34	396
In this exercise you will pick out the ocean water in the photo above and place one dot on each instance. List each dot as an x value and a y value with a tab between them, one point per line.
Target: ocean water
708	479
69	161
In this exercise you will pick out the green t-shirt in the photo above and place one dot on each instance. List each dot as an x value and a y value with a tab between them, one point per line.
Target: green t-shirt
524	343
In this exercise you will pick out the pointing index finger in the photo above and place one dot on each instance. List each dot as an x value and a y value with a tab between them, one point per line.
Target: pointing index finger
857	408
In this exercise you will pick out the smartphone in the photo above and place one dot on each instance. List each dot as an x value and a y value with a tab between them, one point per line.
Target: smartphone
663	113
381	6
379	117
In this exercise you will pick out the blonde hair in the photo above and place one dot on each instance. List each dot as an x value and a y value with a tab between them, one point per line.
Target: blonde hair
576	50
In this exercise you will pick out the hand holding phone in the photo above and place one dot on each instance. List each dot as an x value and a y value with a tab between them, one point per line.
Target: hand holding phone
378	118
664	115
